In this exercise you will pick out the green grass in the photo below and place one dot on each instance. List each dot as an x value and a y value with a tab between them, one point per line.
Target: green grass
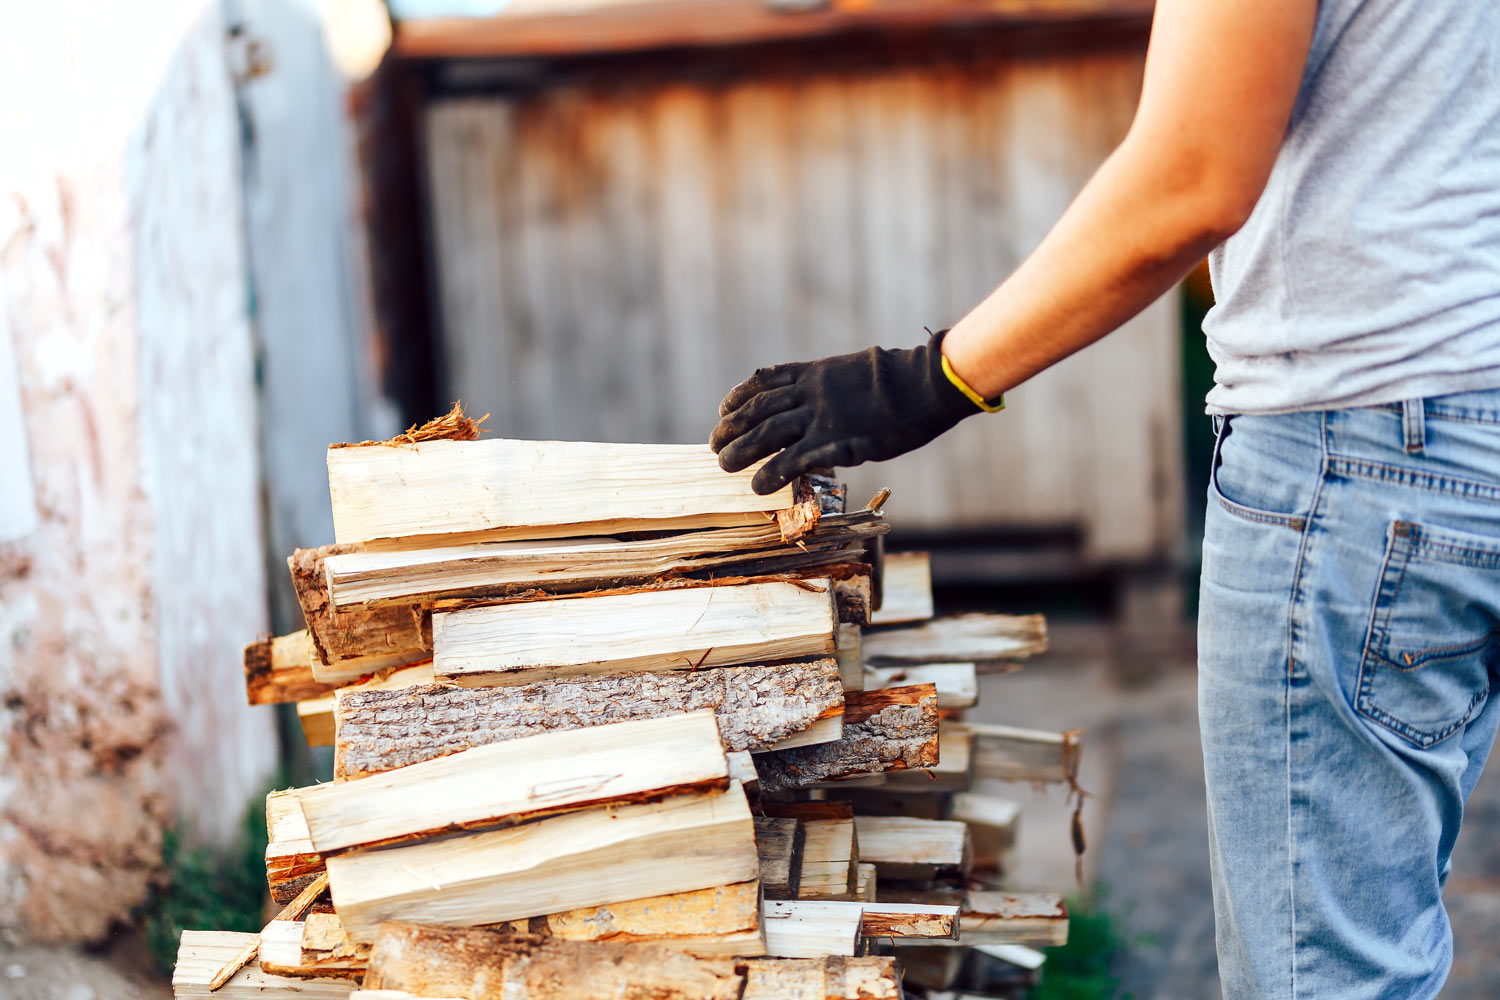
204	888
1082	968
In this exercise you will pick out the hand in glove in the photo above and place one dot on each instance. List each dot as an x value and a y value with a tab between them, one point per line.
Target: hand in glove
840	411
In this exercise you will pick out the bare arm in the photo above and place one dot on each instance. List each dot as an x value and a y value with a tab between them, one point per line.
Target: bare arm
1221	79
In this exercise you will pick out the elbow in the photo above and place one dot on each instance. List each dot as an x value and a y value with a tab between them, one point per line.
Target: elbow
1209	193
1223	208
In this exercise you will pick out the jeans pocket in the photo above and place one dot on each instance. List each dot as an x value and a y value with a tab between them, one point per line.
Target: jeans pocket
1235	492
1425	668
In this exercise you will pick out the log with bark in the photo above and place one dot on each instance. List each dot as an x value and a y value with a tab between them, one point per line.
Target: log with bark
353	643
756	706
279	670
887	730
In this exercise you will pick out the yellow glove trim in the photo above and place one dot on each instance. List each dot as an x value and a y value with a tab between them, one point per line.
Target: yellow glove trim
973	397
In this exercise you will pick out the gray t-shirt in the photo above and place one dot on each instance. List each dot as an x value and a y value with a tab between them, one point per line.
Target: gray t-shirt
1369	271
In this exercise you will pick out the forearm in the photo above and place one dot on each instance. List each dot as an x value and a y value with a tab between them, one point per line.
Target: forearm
1133	233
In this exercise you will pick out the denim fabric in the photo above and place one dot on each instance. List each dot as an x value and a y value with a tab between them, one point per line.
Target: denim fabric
1349	637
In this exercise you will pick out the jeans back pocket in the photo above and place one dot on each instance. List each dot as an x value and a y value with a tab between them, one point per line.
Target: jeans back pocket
1425	671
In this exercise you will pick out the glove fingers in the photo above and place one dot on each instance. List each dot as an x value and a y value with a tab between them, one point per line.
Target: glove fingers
781	470
774	377
758	410
761	440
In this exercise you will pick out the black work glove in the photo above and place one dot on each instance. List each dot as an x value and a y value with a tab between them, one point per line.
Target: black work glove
845	410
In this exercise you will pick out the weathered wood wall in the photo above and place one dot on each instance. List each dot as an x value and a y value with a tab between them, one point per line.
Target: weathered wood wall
611	257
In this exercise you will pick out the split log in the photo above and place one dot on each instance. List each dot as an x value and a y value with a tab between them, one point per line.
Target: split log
497	488
890	920
279	670
291	861
802	929
563	862
284	949
954	770
201	954
830	853
350	644
779	841
968	638
316	714
884	730
865	882
718	922
903	848
498	965
756	706
992	827
957	683
1032	919
679	629
834	977
422	576
1010	753
520	780
906	589
851	662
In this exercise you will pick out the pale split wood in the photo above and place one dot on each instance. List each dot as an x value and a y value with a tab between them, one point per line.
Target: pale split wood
1013	753
971	637
874	977
502	965
291	861
681	629
418	576
904	848
457	487
315	946
886	920
809	929
779	841
887	730
756	706
201	954
1032	919
957	683
279	670
851	661
865	882
242	958
830	853
716	922
574	860
349	644
906	589
519	780
992	827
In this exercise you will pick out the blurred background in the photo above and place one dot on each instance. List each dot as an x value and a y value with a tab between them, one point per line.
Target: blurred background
233	231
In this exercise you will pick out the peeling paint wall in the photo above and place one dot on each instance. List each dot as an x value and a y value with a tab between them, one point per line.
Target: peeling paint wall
122	611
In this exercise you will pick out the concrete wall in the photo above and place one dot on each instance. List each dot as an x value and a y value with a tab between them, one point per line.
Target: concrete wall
123	605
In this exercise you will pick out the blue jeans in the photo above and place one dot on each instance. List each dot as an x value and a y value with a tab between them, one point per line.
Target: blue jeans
1349	637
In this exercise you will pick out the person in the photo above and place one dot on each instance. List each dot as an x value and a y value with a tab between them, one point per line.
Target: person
1339	163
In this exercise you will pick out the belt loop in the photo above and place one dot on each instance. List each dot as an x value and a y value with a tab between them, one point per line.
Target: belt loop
1414	425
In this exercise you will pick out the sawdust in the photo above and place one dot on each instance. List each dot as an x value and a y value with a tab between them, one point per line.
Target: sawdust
451	426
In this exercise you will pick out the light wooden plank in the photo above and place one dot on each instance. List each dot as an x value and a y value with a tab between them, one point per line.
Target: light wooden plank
757	706
1030	919
680	629
503	965
201	954
520	779
873	977
850	657
563	862
992	827
803	929
829	855
906	589
866	883
903	848
957	683
291	861
461	487
958	638
717	922
1013	753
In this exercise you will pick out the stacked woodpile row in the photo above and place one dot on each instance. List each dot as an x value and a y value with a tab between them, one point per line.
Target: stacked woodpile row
606	723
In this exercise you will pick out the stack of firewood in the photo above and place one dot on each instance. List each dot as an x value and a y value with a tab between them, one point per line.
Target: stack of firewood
606	723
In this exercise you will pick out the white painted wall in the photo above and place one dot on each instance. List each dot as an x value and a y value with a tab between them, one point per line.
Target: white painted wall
123	611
